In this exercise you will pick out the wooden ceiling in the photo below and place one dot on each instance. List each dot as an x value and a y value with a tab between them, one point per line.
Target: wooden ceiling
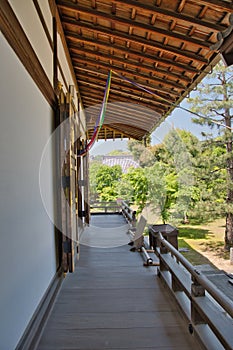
165	46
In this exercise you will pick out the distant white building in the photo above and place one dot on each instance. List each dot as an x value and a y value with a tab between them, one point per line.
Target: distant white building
124	161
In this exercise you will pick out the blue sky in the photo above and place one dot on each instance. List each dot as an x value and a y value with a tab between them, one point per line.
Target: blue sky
182	120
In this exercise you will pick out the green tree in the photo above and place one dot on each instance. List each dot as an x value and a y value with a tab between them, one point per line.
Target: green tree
142	154
181	149
109	193
93	168
136	184
107	179
125	189
162	189
118	152
210	174
159	152
213	103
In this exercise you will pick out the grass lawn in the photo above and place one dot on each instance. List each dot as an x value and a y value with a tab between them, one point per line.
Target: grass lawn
203	242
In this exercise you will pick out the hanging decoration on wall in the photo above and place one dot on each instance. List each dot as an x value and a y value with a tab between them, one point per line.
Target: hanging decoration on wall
100	119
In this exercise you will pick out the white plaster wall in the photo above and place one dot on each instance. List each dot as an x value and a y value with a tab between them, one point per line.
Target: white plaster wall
64	64
27	246
82	121
45	8
27	15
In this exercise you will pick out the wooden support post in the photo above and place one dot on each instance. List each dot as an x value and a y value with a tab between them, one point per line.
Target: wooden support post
176	285
62	176
163	249
197	290
151	240
79	148
86	190
76	152
55	58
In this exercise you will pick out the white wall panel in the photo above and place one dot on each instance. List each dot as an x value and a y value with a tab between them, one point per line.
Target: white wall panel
27	246
26	13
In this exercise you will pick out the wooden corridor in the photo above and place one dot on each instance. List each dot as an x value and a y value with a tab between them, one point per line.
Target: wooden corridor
112	301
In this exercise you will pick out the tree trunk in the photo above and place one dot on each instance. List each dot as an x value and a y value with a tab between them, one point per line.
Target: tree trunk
228	231
229	199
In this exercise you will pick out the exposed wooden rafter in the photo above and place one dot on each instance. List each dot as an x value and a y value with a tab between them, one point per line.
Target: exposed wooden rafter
128	22
169	14
137	40
143	67
73	38
137	69
162	46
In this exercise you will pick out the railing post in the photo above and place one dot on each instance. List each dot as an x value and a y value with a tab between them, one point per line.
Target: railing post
151	240
176	285
197	290
134	219
163	250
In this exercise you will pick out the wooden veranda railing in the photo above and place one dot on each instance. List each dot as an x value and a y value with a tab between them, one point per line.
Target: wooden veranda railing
113	207
128	213
105	207
208	310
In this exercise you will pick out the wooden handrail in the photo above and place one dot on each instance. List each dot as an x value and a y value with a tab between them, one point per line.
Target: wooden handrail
200	278
128	213
106	207
201	301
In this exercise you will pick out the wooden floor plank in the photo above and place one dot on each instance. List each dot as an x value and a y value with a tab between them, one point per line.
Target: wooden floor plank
149	337
97	320
112	301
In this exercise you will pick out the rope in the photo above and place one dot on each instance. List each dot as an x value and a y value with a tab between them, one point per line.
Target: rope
100	119
172	103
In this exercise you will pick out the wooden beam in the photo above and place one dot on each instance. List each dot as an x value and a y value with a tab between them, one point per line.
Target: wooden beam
120	128
122	90
140	133
170	14
129	110
98	54
115	99
217	4
92	100
147	84
136	39
17	39
127	123
142	113
108	67
55	58
120	132
52	46
82	72
148	28
74	37
98	101
55	13
114	92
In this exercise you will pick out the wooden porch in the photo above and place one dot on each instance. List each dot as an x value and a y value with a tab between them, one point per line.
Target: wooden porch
112	301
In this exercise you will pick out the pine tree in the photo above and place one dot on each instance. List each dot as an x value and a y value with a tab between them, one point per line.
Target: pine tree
213	104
